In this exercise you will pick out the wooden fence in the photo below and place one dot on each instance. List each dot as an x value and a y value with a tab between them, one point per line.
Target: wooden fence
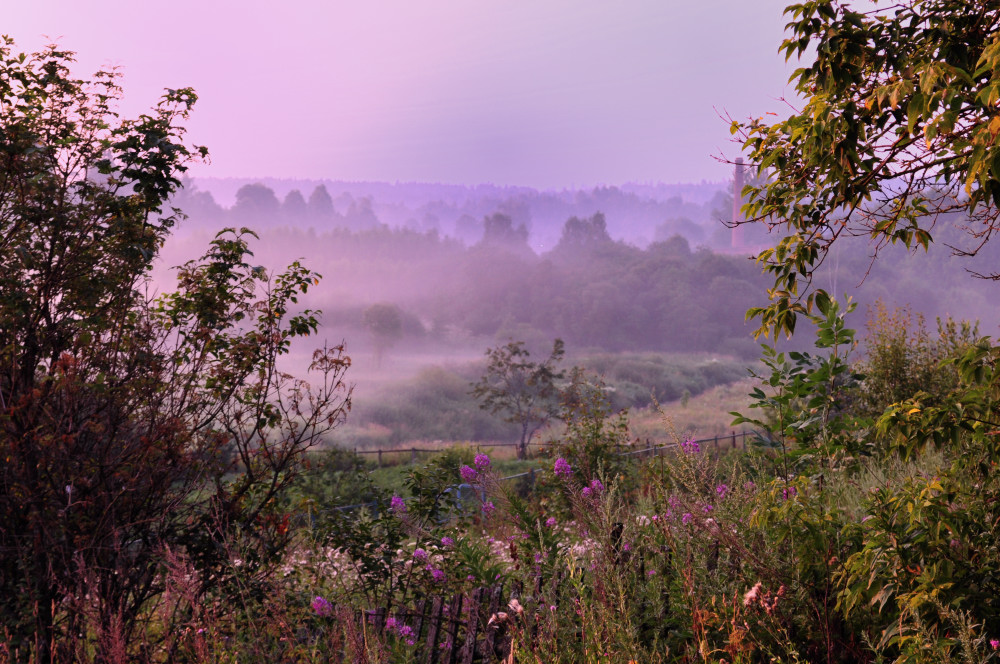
732	441
453	630
725	441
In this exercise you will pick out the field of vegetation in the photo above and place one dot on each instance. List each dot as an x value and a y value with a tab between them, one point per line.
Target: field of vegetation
436	405
168	493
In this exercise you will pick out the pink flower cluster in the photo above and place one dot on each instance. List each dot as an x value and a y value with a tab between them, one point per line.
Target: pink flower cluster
595	489
321	607
404	632
470	474
562	468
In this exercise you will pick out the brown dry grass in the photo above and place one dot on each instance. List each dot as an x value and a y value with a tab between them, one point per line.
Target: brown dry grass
704	416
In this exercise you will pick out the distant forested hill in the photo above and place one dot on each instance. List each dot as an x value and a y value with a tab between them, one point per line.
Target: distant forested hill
587	285
637	213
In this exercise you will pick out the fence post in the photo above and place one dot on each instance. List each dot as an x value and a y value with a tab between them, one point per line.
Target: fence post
494	606
380	458
734	440
434	627
451	632
468	652
413	455
531	477
420	609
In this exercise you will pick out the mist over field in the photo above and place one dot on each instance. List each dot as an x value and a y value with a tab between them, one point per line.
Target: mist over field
613	270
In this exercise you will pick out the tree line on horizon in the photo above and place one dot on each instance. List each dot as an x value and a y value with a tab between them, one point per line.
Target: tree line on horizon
639	215
593	291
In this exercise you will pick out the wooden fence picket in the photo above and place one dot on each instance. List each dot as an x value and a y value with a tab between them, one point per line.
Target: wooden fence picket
468	652
434	624
494	607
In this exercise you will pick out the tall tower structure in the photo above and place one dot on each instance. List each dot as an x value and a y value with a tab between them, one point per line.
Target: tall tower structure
738	181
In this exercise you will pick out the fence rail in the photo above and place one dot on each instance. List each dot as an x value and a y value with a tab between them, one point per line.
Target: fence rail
731	441
718	442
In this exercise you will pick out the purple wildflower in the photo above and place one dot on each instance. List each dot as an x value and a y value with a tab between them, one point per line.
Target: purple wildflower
690	446
391	623
686	519
651	572
437	575
587	492
397	504
721	490
447	542
789	492
321	607
995	644
488	507
406	632
597	486
551	522
468	473
707	508
562	468
420	555
482	462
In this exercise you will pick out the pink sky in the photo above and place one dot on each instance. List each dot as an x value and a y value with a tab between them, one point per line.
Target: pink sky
545	93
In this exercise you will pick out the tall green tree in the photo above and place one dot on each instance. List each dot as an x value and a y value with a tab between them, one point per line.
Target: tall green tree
899	128
132	430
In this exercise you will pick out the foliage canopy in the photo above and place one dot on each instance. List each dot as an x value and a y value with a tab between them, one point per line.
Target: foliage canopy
133	431
899	127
